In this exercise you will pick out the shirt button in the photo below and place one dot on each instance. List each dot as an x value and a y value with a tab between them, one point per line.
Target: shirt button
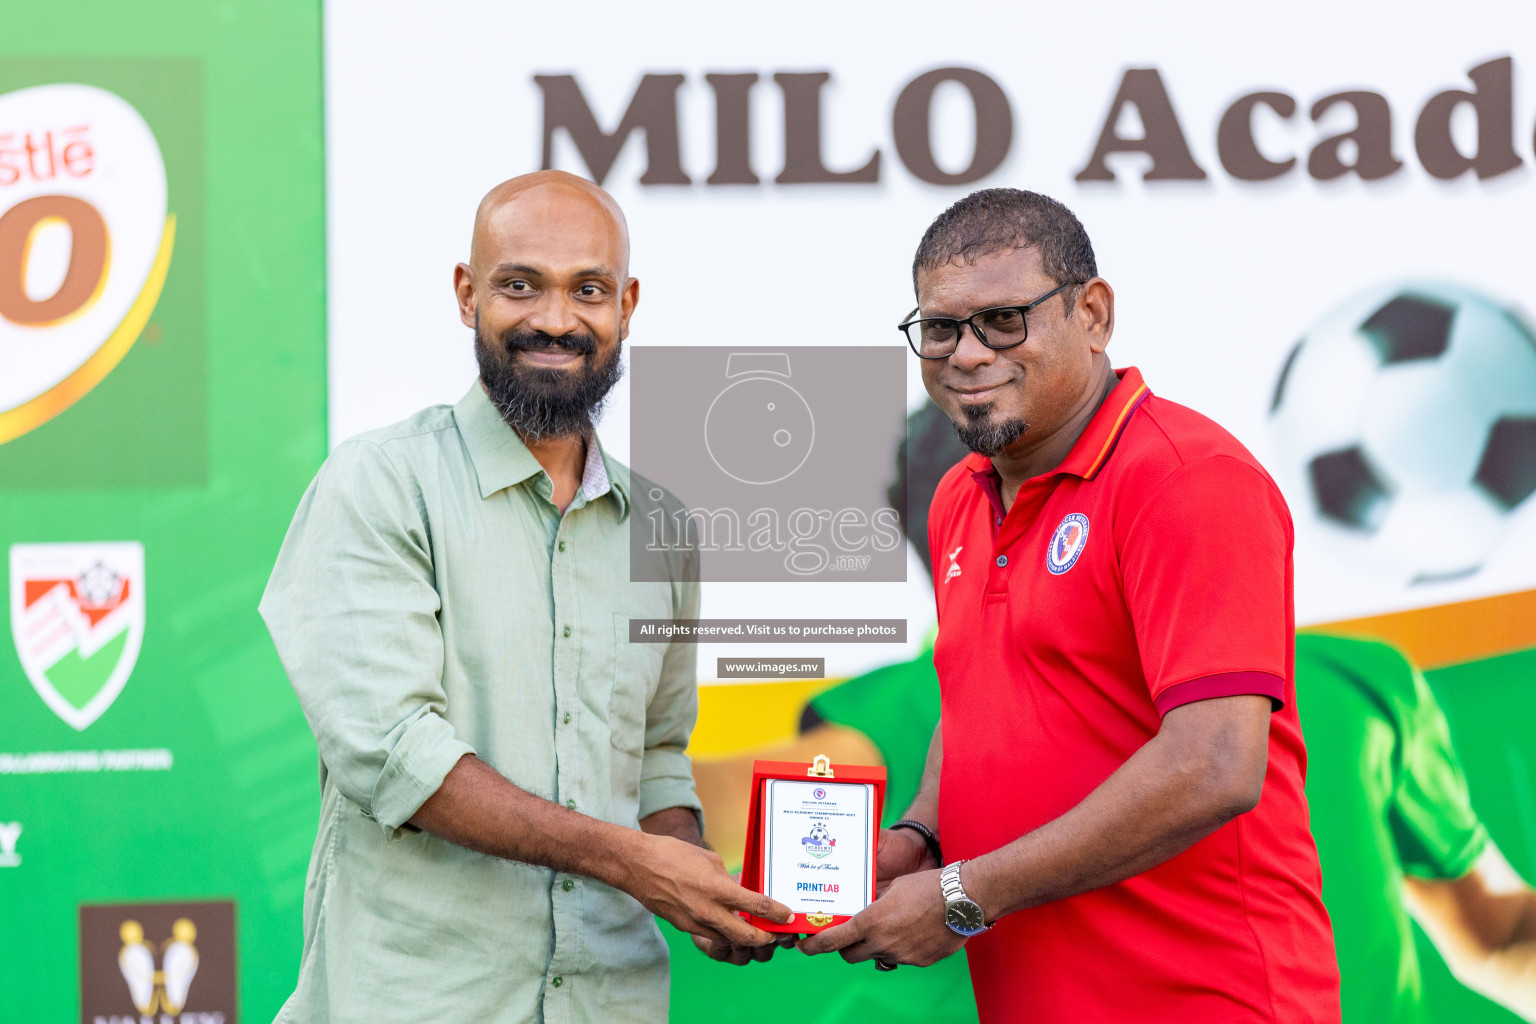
567	631
557	981
562	545
568	885
1002	560
567	718
571	803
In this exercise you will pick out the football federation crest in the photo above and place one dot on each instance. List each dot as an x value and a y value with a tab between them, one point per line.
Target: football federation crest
818	842
1067	543
77	618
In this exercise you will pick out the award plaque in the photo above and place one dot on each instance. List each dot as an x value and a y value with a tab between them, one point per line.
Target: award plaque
812	830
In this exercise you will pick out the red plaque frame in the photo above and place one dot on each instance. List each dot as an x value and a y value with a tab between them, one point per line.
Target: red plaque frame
800	771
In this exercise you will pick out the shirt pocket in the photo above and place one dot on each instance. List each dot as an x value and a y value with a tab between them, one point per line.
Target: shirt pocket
636	673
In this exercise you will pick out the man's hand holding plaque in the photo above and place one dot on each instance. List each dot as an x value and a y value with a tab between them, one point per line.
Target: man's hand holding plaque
689	887
811	840
903	851
909	915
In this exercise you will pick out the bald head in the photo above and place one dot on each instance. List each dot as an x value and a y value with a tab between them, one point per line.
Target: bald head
550	252
535	209
548	294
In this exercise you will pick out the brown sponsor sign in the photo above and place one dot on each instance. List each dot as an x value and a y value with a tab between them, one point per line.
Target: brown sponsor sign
653	109
1365	150
158	963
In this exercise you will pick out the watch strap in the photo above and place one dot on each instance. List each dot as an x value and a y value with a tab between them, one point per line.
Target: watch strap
953	892
929	839
949	883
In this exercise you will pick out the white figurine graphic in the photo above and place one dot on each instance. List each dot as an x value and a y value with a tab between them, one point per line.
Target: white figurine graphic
166	989
137	962
180	964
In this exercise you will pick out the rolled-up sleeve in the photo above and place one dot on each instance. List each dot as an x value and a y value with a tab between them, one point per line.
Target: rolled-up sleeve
666	774
353	611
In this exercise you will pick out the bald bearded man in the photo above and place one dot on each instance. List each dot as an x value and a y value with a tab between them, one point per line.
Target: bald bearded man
505	798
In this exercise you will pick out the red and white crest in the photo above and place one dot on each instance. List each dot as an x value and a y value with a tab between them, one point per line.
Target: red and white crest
77	618
1067	543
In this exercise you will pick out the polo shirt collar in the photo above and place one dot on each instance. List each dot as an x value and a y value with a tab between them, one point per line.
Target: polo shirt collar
1096	443
502	460
1098	440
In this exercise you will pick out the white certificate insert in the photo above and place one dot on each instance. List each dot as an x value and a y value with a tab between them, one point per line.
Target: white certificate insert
817	855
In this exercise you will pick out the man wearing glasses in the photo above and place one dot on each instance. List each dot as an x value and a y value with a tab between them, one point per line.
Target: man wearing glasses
1111	820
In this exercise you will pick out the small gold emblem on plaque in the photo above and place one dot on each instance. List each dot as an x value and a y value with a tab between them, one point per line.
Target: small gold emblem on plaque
821	767
818	920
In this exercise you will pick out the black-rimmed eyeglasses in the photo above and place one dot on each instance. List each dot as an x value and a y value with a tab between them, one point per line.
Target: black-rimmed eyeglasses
999	327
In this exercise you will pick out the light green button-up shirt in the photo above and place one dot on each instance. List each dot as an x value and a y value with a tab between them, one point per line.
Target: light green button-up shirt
431	601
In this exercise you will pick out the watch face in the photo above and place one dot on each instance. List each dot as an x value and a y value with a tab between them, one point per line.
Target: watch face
965	917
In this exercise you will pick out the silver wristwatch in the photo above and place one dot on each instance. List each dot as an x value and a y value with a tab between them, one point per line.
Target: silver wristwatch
961	913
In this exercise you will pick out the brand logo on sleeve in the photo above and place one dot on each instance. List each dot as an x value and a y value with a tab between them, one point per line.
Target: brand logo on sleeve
954	567
1067	543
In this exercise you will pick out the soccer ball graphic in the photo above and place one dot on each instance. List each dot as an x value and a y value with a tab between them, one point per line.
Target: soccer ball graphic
1405	425
819	836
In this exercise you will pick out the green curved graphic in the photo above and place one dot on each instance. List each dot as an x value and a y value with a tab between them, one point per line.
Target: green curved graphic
79	679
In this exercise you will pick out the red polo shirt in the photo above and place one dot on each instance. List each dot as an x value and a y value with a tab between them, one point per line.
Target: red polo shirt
1151	569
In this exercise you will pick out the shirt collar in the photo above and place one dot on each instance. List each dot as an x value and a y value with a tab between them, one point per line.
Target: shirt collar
601	475
1097	441
501	460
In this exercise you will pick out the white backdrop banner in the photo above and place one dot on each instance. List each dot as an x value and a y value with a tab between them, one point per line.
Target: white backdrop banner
1317	222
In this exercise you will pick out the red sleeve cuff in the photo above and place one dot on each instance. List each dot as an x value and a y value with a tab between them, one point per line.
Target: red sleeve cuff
1226	684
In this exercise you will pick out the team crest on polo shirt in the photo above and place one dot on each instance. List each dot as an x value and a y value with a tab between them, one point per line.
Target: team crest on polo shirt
1067	543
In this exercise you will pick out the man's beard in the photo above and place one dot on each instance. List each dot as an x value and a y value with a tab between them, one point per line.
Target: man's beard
543	403
984	438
